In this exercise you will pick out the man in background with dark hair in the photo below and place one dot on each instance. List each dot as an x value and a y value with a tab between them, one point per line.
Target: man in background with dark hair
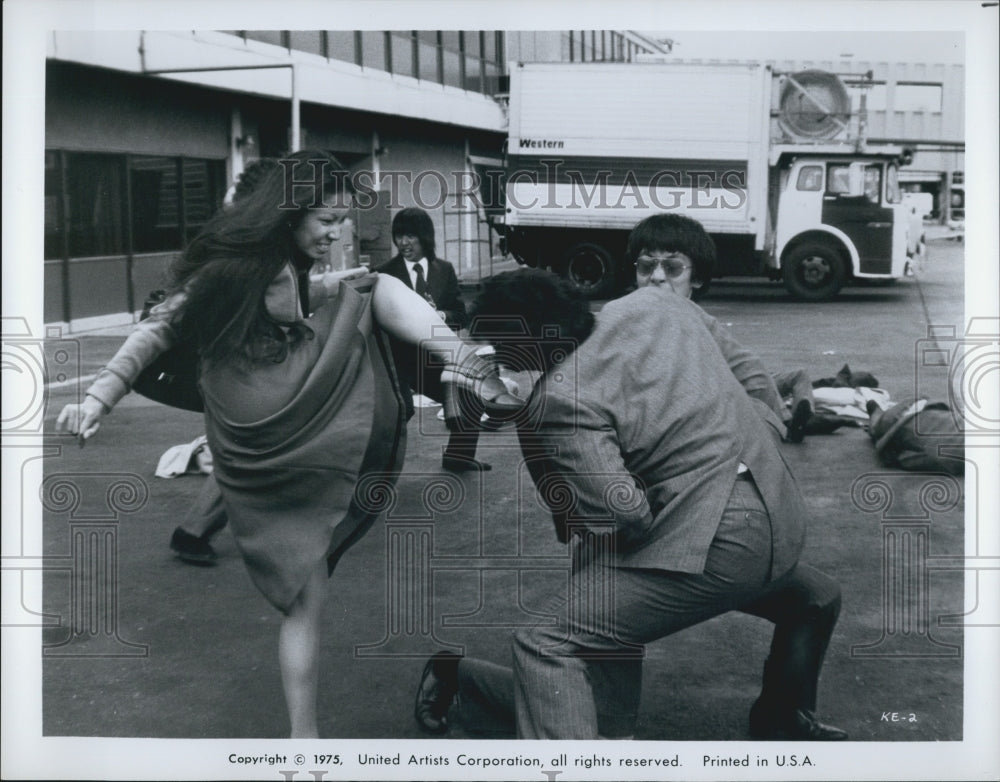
433	278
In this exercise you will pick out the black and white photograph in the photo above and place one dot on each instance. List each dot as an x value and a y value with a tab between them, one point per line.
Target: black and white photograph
494	400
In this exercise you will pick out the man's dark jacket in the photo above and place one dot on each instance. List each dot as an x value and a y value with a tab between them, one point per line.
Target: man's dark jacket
415	368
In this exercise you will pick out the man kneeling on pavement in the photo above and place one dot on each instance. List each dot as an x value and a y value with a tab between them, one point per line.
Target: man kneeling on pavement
664	476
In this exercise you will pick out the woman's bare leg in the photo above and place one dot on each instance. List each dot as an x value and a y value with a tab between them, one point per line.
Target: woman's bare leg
298	654
405	315
408	317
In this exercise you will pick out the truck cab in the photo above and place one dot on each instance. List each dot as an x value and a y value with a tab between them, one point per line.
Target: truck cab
837	217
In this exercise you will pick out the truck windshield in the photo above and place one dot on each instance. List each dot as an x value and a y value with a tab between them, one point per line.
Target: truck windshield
873	183
892	192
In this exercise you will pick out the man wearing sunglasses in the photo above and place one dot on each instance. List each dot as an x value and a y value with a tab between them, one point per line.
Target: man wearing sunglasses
675	252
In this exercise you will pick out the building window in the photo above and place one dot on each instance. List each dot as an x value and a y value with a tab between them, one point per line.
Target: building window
917	96
401	61
275	37
489	40
491	78
473	60
54	234
451	58
341	45
202	195
857	86
429	60
95	204
481	62
470	44
373	50
156	213
169	200
310	41
473	74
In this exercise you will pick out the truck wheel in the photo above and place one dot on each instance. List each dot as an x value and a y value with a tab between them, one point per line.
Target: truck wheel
590	268
814	272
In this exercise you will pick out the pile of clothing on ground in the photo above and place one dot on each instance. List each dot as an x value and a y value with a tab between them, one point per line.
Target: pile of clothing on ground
911	434
842	400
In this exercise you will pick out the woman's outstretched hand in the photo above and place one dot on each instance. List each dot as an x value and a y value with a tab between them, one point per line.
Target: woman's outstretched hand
83	419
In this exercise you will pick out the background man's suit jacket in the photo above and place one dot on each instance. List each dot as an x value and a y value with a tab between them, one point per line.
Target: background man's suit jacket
415	369
646	425
442	285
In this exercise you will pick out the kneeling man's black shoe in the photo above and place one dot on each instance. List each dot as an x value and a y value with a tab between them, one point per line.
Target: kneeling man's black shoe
797	725
438	687
190	548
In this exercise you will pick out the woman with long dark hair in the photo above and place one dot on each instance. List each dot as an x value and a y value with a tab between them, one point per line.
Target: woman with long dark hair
303	412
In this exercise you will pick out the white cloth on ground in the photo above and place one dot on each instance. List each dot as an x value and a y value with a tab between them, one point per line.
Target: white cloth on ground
192	457
849	402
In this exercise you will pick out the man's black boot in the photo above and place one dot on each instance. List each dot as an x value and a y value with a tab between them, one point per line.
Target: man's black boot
786	708
774	718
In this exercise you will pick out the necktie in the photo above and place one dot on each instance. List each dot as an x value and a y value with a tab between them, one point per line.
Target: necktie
421	285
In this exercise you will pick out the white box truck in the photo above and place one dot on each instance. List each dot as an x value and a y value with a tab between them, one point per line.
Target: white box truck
765	161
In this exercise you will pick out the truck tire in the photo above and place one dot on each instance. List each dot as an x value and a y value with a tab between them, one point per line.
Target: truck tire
590	269
814	272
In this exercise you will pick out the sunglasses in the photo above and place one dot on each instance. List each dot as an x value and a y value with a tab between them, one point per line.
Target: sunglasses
671	266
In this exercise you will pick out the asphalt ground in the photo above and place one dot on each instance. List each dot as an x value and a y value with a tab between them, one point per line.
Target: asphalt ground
140	644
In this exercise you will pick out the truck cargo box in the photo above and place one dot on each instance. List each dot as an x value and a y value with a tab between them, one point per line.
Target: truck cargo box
587	144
